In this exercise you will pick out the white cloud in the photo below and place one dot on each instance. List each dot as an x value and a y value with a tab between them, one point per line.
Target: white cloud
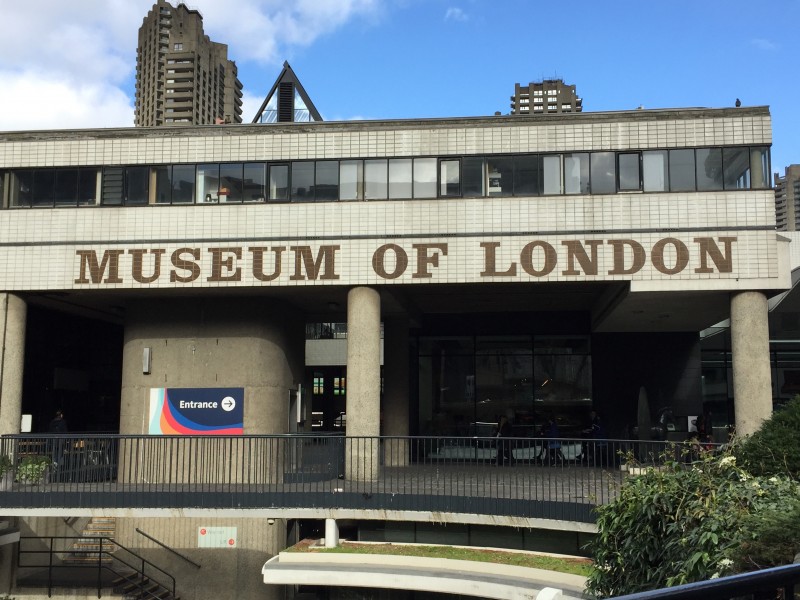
455	14
70	64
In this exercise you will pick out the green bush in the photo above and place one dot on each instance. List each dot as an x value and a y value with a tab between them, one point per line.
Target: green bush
775	448
678	524
772	537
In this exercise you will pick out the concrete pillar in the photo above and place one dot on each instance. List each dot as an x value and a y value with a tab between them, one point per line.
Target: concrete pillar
13	314
752	379
395	391
363	383
331	533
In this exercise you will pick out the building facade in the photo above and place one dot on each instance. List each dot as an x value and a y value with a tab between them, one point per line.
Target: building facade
787	199
532	268
182	77
549	96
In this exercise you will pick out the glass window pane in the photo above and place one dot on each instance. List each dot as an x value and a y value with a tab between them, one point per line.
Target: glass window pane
230	183
207	183
66	187
351	180
279	182
183	184
87	187
424	178
473	177
500	175
327	182
375	179
254	182
526	175
709	169
21	188
137	180
736	162
551	175
163	187
303	181
655	171
449	178
604	180
3	188
681	170
400	178
43	187
760	169
629	179
576	173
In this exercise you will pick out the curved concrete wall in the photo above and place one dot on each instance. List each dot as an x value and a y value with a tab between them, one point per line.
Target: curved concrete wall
251	343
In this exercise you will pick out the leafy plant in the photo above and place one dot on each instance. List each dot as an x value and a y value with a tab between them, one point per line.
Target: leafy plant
772	538
679	524
32	469
5	467
775	448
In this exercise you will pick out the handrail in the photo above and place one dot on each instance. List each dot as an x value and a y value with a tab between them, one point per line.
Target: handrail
163	545
738	585
100	554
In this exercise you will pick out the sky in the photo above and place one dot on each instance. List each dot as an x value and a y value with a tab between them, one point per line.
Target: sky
71	64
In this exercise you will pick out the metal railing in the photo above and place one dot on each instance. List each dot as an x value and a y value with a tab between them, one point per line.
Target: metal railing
89	561
516	477
770	584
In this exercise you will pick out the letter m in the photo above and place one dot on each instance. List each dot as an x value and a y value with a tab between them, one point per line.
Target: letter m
325	259
90	268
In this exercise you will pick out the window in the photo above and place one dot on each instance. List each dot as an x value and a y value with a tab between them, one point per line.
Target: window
137	184
424	178
709	169
319	384
603	173
178	46
576	173
375	179
655	171
400	178
500	175
279	182
760	168
303	181
339	388
551	175
449	178
681	170
473	177
326	185
231	182
629	175
182	184
526	175
207	183
66	187
351	180
736	162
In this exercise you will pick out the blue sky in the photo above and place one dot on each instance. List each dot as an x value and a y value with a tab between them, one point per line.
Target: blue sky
374	59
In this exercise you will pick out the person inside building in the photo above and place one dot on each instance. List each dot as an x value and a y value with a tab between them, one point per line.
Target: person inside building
504	450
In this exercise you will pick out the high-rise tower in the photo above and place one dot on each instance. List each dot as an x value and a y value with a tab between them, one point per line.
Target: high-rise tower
545	97
787	199
182	77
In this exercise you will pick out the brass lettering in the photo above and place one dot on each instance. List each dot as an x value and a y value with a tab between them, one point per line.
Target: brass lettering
218	264
490	262
97	270
379	261
423	259
681	256
639	257
258	262
526	259
185	264
138	260
575	250
325	258
709	248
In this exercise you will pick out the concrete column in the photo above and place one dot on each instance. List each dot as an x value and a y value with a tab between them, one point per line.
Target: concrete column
331	533
752	380
13	314
395	390
363	383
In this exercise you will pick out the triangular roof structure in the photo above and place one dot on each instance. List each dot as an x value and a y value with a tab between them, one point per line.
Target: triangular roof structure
291	102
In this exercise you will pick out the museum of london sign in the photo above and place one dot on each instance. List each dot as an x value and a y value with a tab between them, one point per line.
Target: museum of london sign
461	259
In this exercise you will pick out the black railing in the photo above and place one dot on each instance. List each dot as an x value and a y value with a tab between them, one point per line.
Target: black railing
72	561
515	477
768	584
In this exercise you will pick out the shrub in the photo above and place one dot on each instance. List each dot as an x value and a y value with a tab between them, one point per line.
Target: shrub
772	538
678	524
775	448
32	469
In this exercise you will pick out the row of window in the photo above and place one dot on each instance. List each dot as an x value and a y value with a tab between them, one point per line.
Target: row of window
680	170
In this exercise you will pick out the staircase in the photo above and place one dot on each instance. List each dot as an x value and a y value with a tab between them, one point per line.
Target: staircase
87	548
136	586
